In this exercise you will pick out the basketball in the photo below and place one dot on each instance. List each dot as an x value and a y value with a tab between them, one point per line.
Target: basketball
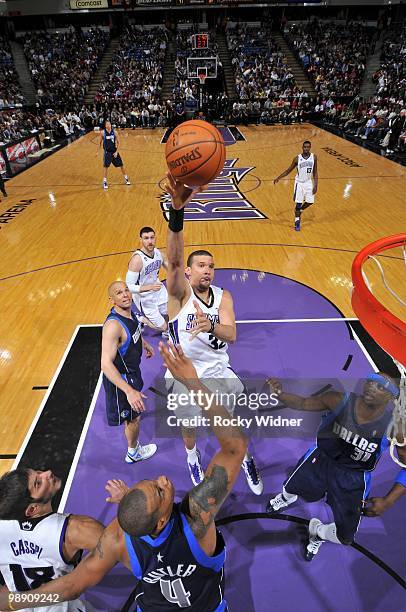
195	153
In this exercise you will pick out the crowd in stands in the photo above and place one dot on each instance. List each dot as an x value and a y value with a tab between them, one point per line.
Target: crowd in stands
134	79
260	69
334	56
62	64
10	90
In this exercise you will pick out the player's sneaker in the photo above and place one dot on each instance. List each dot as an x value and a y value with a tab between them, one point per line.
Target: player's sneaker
196	470
315	542
105	185
253	476
127	181
141	453
278	503
297	225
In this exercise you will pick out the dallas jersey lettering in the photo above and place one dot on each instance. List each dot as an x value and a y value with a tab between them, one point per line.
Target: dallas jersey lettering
174	572
109	141
31	554
208	353
353	445
305	166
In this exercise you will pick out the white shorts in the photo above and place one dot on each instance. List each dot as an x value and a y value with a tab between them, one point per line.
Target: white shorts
303	192
226	387
155	305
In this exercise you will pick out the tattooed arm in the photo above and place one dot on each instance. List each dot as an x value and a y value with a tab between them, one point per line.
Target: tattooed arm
109	550
203	502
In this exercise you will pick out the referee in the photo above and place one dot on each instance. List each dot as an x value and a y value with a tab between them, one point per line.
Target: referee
110	142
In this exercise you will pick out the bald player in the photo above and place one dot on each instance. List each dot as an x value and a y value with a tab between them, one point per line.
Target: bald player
122	346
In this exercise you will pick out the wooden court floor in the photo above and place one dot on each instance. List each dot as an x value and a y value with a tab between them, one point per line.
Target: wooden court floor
60	251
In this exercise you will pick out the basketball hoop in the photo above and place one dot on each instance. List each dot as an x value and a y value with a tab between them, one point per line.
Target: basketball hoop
202	78
387	329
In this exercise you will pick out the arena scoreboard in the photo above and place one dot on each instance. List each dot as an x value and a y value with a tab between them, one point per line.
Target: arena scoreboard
200	41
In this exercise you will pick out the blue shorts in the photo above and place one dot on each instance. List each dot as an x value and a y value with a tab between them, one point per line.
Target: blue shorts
110	159
118	410
316	476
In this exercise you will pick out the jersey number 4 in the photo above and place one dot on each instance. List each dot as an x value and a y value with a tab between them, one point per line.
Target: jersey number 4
36	575
175	592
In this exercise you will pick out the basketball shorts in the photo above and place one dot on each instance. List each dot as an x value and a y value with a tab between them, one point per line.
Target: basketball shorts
316	476
227	387
303	192
155	306
118	410
110	159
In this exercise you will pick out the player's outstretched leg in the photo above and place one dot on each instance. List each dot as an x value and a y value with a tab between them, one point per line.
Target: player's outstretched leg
124	173
298	212
252	475
194	462
280	501
315	541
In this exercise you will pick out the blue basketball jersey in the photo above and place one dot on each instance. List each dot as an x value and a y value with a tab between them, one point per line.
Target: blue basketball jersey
351	444
128	358
174	572
109	141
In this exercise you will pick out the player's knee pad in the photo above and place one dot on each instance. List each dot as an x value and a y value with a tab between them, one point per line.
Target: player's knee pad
298	207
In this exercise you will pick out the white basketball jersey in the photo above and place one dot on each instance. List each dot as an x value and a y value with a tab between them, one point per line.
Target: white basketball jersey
31	554
304	168
149	272
208	353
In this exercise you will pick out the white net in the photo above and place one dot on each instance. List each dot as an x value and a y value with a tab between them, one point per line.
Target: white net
397	428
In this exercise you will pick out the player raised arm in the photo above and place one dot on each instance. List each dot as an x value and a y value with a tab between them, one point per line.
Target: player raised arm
317	403
176	283
203	502
292	166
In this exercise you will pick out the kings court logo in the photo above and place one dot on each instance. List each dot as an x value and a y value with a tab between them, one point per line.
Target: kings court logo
222	200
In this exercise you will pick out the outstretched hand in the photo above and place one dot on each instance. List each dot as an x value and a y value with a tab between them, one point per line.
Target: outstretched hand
117	489
181	194
179	366
201	323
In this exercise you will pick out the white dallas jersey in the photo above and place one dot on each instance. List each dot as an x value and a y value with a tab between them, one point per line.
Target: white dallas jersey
148	275
31	554
305	168
208	353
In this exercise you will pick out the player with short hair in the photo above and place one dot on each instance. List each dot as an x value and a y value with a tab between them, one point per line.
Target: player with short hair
202	321
149	294
37	545
122	345
306	180
350	440
110	141
173	549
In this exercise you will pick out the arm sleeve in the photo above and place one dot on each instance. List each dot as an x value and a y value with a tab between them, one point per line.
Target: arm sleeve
401	478
132	280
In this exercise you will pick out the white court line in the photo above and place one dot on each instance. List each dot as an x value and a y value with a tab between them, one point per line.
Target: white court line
44	400
364	350
299	320
79	447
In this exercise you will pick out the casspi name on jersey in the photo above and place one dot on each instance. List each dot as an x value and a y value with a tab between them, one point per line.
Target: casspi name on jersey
354	439
191	318
162	572
24	547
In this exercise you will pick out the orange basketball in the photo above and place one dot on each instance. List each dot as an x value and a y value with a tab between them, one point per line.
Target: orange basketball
195	153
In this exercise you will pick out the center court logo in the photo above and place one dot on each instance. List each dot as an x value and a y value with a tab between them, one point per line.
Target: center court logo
222	200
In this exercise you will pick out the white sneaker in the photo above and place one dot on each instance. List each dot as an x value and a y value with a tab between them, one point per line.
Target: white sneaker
127	181
278	503
314	541
253	476
141	453
105	185
196	470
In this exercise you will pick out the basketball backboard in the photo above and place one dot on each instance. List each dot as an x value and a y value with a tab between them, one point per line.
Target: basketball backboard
194	64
